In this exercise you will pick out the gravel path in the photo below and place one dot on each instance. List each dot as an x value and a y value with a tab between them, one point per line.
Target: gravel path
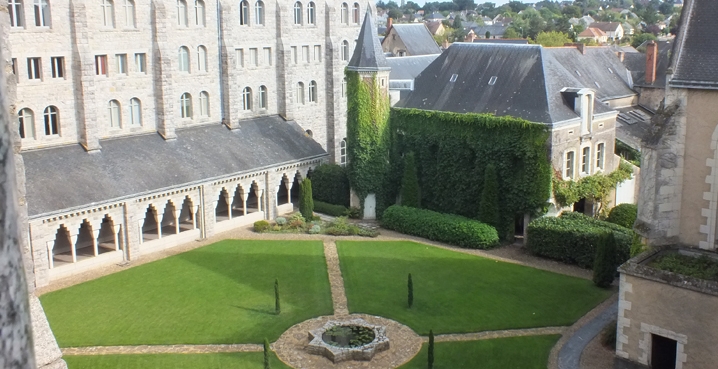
339	297
160	349
487	335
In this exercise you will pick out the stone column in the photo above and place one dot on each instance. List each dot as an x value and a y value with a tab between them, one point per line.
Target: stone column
176	213
116	235
208	204
73	247
134	215
229	199
158	220
195	211
50	247
163	57
95	236
244	202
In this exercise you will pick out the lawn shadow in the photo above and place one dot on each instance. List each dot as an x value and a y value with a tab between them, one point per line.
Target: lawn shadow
258	311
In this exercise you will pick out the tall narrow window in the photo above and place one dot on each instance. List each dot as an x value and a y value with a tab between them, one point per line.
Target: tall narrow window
259	12
239	55
344	14
600	149
267	56
312	91
355	13
297	13
203	104
34	68
344	87
202	59
317	53
58	67
101	65
262	97
300	93
305	54
141	62
184	59
26	121
570	157
129	10
343	152
42	13
294	54
186	105
182	13
244	13
52	126
253	58
345	50
17	19
586	160
247	99
14	66
199	13
311	13
135	112
108	13
114	113
121	63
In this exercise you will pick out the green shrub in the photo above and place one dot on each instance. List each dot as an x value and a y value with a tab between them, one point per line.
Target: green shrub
604	265
608	336
489	206
430	357
329	209
277	307
572	238
353	212
261	226
623	215
297	221
409	183
306	204
435	226
331	184
410	288
281	221
316	229
266	354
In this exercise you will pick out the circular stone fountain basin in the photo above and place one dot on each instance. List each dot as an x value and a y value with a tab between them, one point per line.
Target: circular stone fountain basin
354	339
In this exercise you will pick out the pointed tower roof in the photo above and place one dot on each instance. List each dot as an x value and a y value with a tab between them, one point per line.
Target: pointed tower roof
368	55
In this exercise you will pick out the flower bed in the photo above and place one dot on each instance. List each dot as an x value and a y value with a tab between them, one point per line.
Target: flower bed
295	223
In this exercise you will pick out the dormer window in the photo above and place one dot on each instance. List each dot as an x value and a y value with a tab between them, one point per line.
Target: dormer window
581	101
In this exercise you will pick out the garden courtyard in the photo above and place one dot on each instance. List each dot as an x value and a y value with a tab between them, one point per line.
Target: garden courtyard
213	306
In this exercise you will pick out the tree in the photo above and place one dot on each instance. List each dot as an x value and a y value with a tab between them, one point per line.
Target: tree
465	4
511	33
571	11
604	265
489	206
410	287
640	39
457	23
395	13
306	203
488	35
666	7
517	6
410	182
552	39
277	307
266	354
431	349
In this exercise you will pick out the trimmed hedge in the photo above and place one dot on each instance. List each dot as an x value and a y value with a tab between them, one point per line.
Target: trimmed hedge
261	226
573	237
329	209
449	228
330	184
623	215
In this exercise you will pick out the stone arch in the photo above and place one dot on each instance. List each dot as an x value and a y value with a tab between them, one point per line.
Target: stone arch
283	191
221	210
187	215
295	191
84	246
169	218
253	198
108	240
150	229
61	250
238	201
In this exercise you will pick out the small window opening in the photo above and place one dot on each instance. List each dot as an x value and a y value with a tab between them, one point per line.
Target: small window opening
492	80
597	85
453	77
610	70
578	73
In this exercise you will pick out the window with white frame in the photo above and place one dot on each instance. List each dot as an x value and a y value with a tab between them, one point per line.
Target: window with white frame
101	65
114	114
305	54
244	13
141	62
259	12
311	13
34	68
344	87
262	97
344	14
42	13
253	58
202	59
313	91
345	50
247	99
199	14
121	63
586	160
239	55
355	13
26	123
300	93
317	53
343	152
58	66
108	13
17	19
297	13
294	54
182	13
52	121
600	152
203	104
186	105
184	59
129	12
267	56
135	112
570	162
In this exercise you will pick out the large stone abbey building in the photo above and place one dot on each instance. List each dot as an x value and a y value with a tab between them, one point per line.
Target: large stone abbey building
145	124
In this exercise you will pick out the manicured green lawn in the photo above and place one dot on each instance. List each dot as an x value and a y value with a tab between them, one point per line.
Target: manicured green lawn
221	293
502	353
244	360
456	292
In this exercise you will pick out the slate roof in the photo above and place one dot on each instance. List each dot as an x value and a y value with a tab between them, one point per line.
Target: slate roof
408	67
528	82
519	41
417	39
606	26
696	63
495	30
368	54
636	63
133	165
433	27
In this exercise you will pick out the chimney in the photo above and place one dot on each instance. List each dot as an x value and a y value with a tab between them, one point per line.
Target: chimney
389	23
651	57
579	45
621	55
445	44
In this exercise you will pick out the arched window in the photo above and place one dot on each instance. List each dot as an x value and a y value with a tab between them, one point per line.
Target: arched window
247	99
262	97
312	91
184	59
52	121
244	13
135	112
297	13
311	13
182	13
259	12
345	50
108	13
344	14
186	105
355	13
300	93
199	18
343	152
114	112
42	13
26	120
17	19
202	59
203	104
129	10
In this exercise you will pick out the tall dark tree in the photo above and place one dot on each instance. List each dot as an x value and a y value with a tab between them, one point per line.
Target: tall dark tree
431	349
277	306
410	182
410	287
604	265
489	206
266	354
306	203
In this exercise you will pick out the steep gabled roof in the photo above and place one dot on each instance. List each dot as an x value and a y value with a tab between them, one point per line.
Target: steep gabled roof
368	55
695	54
592	32
606	26
636	63
417	39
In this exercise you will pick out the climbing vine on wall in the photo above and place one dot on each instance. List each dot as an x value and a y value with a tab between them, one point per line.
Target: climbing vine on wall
452	151
594	188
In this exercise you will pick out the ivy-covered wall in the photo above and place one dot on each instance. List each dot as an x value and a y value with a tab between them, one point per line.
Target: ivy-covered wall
452	151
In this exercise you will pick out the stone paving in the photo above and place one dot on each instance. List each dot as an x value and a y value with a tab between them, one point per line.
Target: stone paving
339	298
160	349
487	335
